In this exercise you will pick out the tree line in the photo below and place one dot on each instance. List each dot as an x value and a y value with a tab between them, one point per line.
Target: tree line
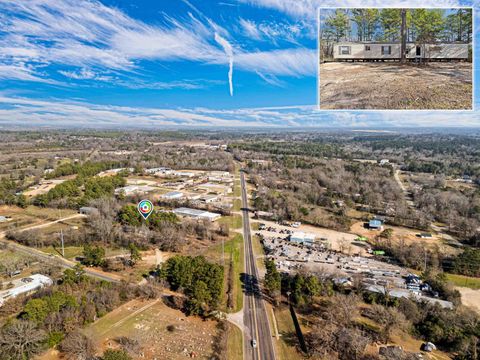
422	25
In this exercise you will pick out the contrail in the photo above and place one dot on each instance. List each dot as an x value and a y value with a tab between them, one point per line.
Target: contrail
229	52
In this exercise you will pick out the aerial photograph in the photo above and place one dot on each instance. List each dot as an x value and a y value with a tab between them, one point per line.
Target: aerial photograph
396	59
171	189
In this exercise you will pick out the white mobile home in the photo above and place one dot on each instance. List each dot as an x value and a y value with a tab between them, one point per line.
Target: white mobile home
381	51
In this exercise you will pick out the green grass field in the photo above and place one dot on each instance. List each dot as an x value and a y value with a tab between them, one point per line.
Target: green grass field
464	281
286	346
237	190
234	343
71	252
234	251
237	205
233	221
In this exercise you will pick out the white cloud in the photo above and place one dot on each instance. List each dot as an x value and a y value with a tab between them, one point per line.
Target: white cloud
229	52
88	34
307	9
250	29
288	62
31	113
83	74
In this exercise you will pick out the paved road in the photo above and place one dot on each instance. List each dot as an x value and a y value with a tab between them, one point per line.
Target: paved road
255	316
64	263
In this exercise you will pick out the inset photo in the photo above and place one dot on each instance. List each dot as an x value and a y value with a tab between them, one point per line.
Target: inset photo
395	59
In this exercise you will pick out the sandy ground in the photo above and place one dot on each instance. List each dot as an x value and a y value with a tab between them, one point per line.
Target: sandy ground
43	187
395	86
405	234
470	297
336	239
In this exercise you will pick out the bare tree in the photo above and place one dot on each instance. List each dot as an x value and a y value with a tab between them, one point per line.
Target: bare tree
77	346
21	339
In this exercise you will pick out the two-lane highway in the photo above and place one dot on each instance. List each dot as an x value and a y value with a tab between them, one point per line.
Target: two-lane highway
257	327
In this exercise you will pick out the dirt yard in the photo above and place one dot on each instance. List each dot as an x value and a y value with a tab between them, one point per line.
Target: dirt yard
470	298
409	236
396	87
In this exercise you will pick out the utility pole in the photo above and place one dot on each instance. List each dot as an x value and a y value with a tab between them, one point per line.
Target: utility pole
63	245
425	266
223	251
403	35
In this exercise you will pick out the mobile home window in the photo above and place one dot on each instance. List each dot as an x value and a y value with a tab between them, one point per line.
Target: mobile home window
344	50
367	47
386	50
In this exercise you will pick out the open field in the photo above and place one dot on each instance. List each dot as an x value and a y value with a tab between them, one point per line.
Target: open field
464	281
147	322
234	221
234	343
407	235
234	250
32	215
470	297
287	345
395	86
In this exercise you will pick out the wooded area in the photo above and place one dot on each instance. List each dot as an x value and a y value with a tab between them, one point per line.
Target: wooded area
385	25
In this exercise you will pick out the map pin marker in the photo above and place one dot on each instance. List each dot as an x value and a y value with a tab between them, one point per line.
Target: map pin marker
145	208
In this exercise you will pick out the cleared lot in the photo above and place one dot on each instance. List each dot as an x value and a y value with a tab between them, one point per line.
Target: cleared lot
395	86
335	240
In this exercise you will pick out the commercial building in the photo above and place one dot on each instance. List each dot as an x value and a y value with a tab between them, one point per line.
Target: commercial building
25	285
300	237
159	171
216	188
173	195
134	189
207	199
196	214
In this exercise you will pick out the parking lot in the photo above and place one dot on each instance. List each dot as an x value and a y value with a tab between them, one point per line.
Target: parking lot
375	273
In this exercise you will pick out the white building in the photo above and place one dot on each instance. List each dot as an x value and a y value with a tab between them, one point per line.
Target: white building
217	188
197	214
392	51
207	199
159	171
173	195
300	237
134	189
25	285
187	174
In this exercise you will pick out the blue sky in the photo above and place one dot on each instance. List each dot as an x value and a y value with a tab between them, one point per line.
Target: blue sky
190	63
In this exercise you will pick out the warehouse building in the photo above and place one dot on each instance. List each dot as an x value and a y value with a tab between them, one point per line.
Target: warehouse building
173	195
196	214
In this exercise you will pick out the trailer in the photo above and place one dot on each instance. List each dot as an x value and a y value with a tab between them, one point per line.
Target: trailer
390	51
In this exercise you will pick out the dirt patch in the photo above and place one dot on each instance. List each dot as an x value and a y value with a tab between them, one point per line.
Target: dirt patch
396	86
470	298
406	235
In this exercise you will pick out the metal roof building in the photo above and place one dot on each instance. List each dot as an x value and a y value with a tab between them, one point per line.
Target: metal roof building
197	214
173	195
302	238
